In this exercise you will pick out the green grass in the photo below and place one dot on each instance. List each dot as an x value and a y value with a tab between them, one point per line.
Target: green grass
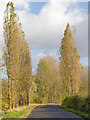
0	117
19	114
80	113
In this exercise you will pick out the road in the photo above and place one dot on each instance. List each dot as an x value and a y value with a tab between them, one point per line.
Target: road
51	111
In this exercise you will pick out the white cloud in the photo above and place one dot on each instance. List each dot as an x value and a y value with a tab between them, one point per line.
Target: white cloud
82	38
45	30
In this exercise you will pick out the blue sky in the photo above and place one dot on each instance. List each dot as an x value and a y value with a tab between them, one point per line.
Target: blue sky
44	24
36	8
83	5
89	7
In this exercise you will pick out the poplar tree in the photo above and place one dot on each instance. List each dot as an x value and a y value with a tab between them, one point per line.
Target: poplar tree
17	59
70	67
9	37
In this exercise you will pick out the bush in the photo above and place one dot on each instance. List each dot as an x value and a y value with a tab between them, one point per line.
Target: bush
76	102
5	106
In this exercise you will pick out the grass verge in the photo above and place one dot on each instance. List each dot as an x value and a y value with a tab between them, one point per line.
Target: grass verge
80	113
19	113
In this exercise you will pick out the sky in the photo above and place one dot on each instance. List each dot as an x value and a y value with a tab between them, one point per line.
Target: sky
44	24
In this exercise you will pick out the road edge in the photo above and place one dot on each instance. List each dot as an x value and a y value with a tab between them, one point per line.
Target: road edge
31	111
72	112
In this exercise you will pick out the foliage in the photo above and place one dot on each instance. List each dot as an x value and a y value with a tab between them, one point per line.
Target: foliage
73	75
5	105
65	82
70	67
48	81
81	100
17	61
76	102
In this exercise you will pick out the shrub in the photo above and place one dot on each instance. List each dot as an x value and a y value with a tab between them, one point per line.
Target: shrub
76	102
5	106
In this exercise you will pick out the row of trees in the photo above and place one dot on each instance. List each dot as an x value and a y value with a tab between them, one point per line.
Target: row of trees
17	62
53	81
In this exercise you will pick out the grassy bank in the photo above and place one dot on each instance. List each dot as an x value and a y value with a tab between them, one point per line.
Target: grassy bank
80	113
20	112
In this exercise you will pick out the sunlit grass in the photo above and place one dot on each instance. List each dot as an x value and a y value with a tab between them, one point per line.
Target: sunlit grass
18	113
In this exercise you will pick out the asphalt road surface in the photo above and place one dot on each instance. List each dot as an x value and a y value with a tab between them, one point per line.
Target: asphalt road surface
52	111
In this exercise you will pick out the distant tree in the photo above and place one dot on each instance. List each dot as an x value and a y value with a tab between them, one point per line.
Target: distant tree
47	80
